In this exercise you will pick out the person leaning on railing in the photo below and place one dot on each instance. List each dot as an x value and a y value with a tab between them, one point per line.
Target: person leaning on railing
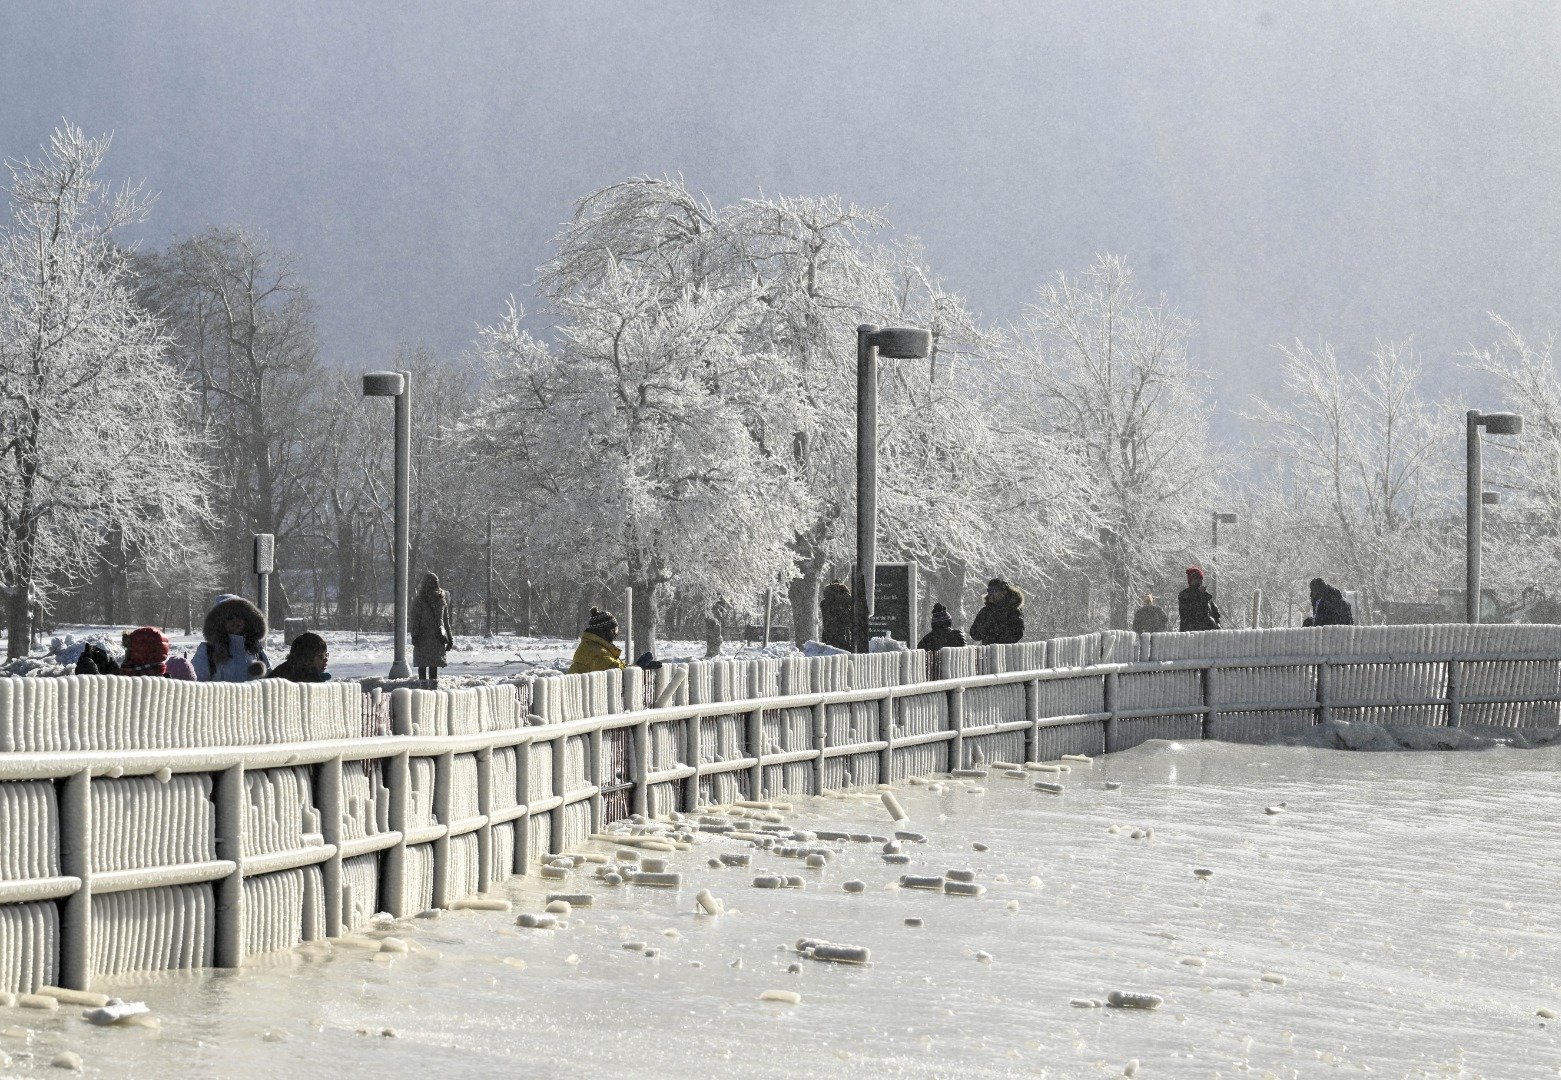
596	651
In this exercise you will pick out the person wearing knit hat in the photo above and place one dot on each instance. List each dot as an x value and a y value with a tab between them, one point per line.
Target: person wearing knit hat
596	651
1150	618
942	635
1195	604
146	652
1000	620
234	645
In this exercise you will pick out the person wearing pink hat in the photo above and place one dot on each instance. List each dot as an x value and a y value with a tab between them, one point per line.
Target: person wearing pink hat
1196	604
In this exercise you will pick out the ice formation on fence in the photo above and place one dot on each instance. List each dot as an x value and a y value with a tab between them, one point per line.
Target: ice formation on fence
156	824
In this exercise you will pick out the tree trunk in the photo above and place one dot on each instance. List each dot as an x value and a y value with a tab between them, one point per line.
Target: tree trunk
802	592
646	617
18	620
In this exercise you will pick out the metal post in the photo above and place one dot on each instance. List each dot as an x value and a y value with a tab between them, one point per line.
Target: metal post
1257	607
887	708
820	728
866	483
628	625
957	726
398	667
327	794
487	872
75	810
444	773
1473	517
755	739
1113	738
769	614
232	814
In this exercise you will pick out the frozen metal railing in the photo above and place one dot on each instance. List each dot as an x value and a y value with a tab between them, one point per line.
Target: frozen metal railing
306	838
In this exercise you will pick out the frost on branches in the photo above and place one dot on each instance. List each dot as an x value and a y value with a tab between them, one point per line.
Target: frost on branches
91	414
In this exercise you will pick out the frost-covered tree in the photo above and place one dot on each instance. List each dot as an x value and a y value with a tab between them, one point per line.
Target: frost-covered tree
91	412
1365	467
1107	370
243	329
1523	545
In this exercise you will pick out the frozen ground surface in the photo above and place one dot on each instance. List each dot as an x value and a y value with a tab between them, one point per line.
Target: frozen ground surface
1404	907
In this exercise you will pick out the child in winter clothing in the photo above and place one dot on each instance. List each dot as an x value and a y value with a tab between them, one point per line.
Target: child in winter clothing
234	649
146	652
942	635
596	651
306	660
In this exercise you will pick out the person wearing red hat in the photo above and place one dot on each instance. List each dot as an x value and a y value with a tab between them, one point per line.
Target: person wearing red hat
1196	604
146	652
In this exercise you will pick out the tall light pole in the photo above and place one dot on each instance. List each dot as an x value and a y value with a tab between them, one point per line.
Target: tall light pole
1219	518
1474	499
894	343
398	385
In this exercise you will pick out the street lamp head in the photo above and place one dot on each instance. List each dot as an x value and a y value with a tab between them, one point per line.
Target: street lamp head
1499	423
1490	498
383	384
902	342
1225	518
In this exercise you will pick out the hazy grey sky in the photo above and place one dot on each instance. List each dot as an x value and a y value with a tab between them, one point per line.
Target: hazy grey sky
1340	171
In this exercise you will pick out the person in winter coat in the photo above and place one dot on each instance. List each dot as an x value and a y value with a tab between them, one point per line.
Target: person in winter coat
306	660
1195	604
999	622
180	669
1150	619
234	646
942	635
596	651
146	652
428	624
1329	608
835	613
95	660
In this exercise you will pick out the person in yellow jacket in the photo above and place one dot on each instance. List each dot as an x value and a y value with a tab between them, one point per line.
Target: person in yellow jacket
596	652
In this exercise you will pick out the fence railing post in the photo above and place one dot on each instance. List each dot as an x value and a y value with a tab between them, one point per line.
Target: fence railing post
232	816
398	784
1032	712
820	725
755	739
75	809
640	769
596	774
444	769
957	725
887	711
1324	691
1109	700
523	797
485	860
1454	692
327	794
560	790
1210	699
692	755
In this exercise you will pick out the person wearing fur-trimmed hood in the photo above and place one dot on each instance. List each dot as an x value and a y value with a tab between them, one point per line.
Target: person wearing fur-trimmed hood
1000	620
234	646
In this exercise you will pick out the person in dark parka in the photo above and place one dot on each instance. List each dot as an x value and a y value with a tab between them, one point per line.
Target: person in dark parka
1196	605
1151	618
999	622
834	616
428	625
1329	608
942	635
306	660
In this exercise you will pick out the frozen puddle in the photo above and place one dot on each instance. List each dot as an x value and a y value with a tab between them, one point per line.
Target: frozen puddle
1399	915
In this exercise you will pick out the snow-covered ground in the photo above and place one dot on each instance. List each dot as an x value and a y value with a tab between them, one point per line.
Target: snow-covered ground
357	656
1396	914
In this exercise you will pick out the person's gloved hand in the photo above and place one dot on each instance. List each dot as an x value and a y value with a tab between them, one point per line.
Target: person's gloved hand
648	662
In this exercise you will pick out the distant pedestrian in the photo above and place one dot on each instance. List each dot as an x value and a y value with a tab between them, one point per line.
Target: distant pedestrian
1329	608
1000	620
1196	605
307	657
234	649
428	624
942	635
146	652
836	616
1150	618
179	668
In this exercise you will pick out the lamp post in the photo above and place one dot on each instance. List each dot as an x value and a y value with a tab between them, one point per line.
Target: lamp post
1219	518
894	343
1474	499
398	385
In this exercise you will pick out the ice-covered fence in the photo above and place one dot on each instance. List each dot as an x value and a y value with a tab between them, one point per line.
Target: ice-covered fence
150	823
